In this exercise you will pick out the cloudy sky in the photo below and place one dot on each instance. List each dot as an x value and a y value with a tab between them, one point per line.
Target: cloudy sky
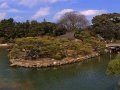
52	10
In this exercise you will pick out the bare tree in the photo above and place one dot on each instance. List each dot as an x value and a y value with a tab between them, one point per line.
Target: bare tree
72	21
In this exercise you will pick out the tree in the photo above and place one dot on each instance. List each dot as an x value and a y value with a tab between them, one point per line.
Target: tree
72	21
7	28
87	36
107	25
48	27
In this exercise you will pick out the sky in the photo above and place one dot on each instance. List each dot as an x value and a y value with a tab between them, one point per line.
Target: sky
52	10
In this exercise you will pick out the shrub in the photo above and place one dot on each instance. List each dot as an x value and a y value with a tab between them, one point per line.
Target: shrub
118	56
118	86
58	56
87	37
114	66
34	48
31	48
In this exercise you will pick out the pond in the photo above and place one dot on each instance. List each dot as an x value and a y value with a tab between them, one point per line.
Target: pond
88	75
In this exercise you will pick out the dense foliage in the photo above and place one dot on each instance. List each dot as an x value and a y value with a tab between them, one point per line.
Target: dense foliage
48	47
114	66
9	29
52	47
118	86
107	25
87	36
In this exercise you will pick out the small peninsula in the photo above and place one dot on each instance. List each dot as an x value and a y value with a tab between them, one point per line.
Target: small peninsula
50	51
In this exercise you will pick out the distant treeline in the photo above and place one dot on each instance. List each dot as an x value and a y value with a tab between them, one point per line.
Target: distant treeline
106	25
10	29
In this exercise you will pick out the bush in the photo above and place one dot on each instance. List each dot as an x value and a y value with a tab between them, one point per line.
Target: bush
114	66
31	48
34	48
118	56
87	36
58	56
118	88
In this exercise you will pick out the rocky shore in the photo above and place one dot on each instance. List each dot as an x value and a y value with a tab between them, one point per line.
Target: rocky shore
47	62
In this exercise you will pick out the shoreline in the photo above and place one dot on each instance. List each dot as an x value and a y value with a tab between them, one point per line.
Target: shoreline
47	62
6	45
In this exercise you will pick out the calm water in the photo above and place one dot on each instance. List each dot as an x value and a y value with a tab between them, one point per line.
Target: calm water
89	75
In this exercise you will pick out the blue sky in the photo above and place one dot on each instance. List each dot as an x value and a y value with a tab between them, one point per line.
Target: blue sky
52	10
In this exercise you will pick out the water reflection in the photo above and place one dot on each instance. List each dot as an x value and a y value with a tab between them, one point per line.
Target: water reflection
89	75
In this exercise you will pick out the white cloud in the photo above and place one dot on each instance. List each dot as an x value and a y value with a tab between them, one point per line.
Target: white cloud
19	18
4	5
5	9
28	2
11	10
86	12
62	12
2	15
42	12
92	12
31	3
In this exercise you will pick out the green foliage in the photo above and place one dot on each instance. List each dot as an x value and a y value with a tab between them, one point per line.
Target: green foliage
78	48
118	88
82	34
48	47
34	48
88	37
118	56
114	66
107	25
97	44
9	29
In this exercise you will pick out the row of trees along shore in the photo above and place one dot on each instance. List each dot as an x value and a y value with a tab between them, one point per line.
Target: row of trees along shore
106	25
9	29
35	40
